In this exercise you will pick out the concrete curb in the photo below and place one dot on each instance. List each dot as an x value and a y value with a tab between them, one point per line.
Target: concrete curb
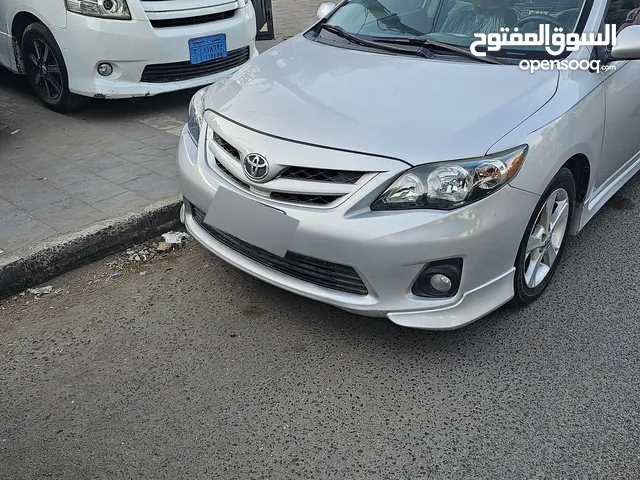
32	266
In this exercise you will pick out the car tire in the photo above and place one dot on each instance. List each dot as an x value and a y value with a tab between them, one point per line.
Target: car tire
46	70
544	240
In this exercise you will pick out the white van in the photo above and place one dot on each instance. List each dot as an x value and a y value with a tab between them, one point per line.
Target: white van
71	49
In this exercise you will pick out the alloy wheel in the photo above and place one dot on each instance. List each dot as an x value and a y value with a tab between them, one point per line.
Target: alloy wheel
45	69
546	237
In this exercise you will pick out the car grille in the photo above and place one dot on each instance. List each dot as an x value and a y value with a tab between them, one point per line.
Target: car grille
300	173
285	197
312	270
301	198
181	22
174	72
231	175
226	146
307	175
321	175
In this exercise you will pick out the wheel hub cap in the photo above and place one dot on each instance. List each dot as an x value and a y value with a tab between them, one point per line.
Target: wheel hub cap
45	70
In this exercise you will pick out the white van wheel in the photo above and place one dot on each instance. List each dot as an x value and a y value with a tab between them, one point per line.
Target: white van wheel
46	71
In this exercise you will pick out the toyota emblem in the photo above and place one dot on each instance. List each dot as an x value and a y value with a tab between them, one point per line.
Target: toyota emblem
255	167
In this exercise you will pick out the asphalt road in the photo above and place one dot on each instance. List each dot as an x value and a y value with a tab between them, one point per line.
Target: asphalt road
195	370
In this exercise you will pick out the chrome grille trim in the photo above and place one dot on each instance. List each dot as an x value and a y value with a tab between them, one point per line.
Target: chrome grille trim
246	186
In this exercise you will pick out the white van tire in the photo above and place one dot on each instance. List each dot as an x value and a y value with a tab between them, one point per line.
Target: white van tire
46	70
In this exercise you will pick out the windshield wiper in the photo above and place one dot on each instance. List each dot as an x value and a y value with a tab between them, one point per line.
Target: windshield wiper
444	46
341	32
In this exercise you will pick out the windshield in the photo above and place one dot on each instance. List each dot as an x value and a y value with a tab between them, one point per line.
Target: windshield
456	21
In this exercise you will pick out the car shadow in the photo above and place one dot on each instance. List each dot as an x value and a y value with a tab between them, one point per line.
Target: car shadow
302	314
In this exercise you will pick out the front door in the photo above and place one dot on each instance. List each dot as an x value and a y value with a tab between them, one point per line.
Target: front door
621	142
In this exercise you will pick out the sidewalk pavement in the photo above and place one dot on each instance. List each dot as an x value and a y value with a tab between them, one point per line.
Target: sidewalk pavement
92	173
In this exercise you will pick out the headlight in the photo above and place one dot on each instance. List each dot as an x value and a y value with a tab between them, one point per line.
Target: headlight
117	9
445	186
196	111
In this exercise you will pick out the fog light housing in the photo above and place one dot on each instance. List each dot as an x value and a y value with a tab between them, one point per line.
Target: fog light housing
439	279
105	69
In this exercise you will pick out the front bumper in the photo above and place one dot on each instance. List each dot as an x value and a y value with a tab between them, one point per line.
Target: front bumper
132	45
387	249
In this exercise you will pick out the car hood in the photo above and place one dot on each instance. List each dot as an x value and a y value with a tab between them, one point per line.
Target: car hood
409	108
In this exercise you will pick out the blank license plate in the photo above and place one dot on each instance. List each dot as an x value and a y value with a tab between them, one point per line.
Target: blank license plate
207	48
251	221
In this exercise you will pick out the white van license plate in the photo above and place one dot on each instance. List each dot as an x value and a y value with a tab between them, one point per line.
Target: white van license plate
207	48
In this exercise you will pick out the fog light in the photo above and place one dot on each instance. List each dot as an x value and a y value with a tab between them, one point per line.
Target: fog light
441	283
105	69
439	279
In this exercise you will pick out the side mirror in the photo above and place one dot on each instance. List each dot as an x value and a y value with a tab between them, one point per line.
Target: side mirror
627	45
325	9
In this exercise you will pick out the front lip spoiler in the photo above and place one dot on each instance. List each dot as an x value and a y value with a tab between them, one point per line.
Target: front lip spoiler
473	305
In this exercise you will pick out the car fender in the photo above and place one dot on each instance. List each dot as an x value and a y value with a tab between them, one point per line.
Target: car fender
52	13
570	124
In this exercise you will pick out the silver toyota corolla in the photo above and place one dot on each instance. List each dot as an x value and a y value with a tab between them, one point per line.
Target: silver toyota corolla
375	164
